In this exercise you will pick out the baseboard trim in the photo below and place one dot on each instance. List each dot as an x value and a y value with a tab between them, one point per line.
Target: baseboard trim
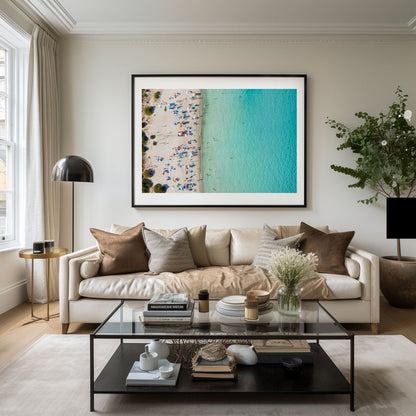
13	295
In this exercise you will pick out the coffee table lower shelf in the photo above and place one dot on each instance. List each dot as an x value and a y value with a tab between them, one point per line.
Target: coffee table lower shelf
323	377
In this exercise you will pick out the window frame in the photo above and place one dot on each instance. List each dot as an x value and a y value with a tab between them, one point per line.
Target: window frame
17	52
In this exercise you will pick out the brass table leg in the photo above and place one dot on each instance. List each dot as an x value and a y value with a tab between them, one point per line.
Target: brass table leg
31	283
47	290
48	316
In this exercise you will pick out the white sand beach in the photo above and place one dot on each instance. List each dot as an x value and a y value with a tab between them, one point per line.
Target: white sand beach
172	140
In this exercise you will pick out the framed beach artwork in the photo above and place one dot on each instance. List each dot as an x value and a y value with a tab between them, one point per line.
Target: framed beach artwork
218	140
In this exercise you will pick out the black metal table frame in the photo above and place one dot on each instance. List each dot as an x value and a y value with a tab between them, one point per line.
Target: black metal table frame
347	336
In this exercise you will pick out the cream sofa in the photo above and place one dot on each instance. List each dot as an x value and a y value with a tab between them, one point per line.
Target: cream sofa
355	297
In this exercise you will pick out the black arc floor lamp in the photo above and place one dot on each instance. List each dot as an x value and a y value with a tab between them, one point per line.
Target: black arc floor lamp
72	169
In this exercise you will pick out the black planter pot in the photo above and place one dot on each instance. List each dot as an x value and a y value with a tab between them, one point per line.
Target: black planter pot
398	281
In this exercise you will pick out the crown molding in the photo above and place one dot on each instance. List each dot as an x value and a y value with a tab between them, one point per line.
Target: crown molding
48	11
60	20
241	29
19	36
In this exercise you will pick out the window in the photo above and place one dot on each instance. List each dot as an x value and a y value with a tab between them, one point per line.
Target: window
13	71
6	154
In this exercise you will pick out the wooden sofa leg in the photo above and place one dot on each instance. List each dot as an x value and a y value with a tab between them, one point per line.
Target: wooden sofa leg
65	328
374	328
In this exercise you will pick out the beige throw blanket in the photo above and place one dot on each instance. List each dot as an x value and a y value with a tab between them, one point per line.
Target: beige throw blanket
220	282
237	280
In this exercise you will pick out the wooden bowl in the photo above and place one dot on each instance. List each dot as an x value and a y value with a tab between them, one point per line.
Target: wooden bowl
262	295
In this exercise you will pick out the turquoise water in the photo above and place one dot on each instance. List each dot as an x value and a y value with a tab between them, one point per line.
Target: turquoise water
249	141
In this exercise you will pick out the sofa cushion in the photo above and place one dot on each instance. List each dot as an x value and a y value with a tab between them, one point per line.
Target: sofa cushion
330	248
218	247
269	243
243	245
353	268
220	282
343	287
168	254
89	268
196	236
121	253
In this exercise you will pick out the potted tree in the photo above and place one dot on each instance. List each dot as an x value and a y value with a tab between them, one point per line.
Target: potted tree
386	164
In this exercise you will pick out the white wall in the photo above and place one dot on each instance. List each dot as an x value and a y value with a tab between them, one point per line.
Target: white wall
12	280
344	76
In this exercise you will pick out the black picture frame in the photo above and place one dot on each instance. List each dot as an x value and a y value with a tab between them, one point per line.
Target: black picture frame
269	86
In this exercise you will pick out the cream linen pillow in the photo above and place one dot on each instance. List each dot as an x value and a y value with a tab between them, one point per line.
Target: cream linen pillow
168	254
196	236
269	243
197	244
89	268
353	267
218	247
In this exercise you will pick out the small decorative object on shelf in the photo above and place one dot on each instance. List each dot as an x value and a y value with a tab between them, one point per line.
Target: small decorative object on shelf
148	360
274	351
159	347
203	297
49	244
213	362
243	354
252	308
38	247
291	266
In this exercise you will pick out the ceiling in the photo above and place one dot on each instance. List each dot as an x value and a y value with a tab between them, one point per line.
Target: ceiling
227	17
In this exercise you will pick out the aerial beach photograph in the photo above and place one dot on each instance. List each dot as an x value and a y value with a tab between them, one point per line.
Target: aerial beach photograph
219	140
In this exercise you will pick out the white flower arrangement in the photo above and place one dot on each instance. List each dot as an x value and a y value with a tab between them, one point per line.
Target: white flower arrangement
291	266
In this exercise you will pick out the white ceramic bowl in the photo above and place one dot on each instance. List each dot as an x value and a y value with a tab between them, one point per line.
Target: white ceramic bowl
166	371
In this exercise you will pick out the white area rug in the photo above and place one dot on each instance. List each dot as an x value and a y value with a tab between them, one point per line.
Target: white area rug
52	378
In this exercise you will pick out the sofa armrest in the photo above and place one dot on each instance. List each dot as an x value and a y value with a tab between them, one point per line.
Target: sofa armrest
69	278
369	278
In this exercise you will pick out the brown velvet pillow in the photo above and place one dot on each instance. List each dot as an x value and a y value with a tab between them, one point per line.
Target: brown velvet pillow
122	253
330	248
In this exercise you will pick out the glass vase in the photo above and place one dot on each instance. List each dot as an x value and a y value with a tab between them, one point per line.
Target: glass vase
289	300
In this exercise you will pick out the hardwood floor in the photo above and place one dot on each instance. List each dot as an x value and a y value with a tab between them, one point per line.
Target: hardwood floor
15	337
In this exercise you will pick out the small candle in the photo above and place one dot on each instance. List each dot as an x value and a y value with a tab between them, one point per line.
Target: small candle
203	301
251	309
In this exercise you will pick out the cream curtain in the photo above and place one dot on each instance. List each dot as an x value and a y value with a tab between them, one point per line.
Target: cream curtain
42	208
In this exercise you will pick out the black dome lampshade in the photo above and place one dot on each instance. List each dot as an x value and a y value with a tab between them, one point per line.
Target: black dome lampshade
72	169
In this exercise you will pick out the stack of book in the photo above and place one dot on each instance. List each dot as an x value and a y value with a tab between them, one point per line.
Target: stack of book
214	370
168	309
271	351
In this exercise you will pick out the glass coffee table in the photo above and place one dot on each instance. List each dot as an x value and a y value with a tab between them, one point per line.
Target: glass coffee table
315	323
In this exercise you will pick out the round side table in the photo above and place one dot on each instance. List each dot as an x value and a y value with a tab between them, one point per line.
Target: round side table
53	253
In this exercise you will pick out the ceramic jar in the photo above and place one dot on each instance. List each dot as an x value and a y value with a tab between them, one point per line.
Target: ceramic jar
148	360
159	347
244	354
